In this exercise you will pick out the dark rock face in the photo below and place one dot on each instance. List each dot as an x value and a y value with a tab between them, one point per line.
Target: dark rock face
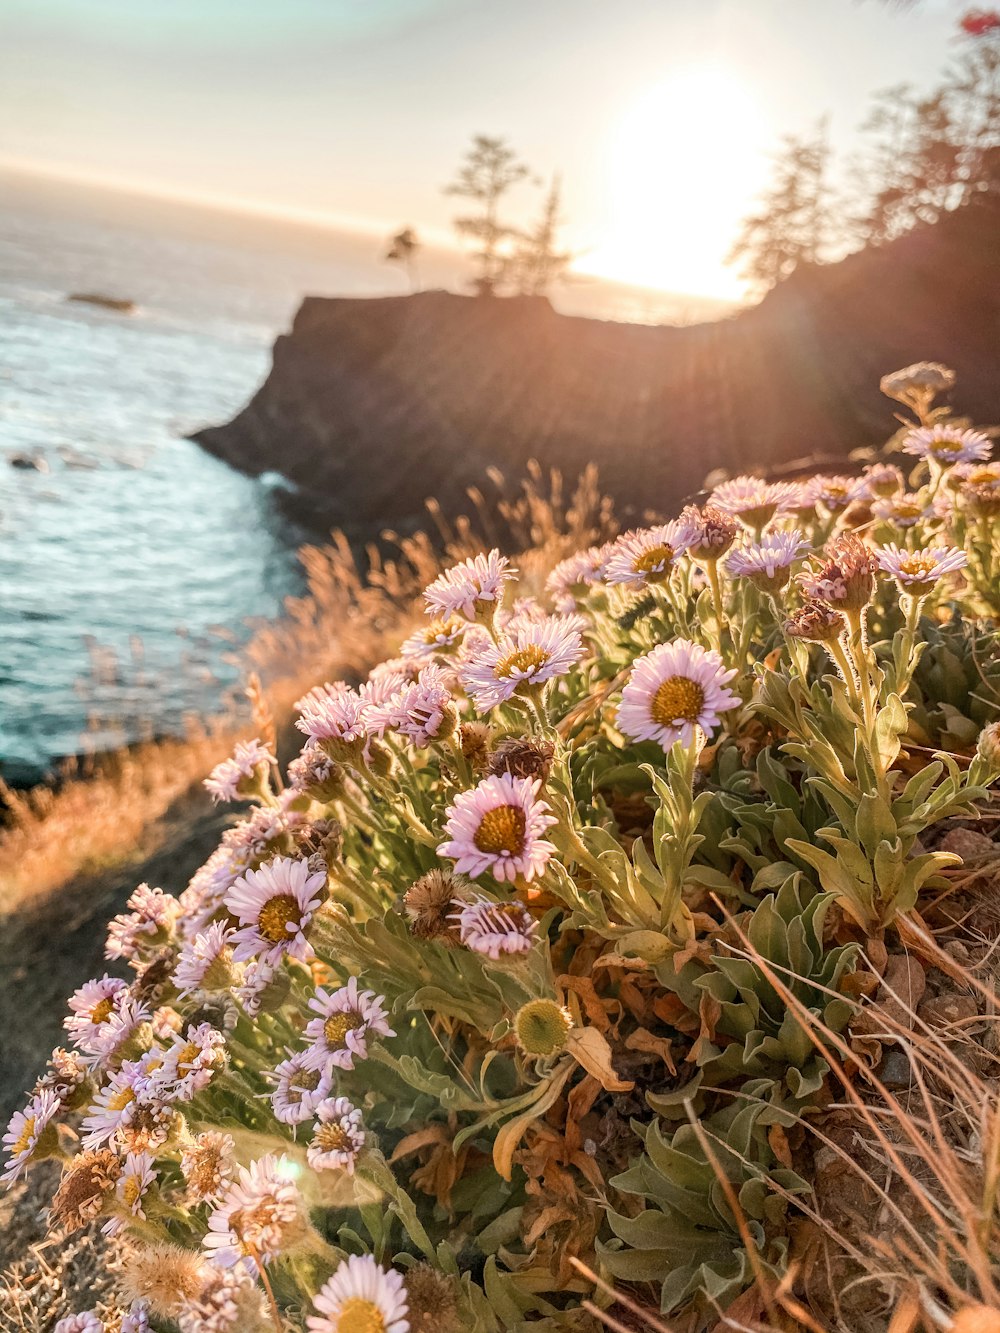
373	405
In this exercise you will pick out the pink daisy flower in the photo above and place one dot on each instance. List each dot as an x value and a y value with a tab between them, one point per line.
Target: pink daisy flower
338	1137
206	962
439	637
905	510
947	444
227	1301
332	712
417	710
917	572
91	1006
837	493
240	775
274	906
87	1322
28	1131
471	589
258	1212
752	501
573	577
136	1177
347	1017
647	555
115	1103
250	991
136	1318
499	826
372	1296
882	481
672	690
300	1089
147	926
767	562
494	929
188	1064
522	658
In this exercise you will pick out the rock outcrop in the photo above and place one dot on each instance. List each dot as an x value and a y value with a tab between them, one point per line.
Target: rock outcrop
373	405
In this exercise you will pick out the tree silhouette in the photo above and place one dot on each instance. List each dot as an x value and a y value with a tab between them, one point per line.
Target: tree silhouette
489	170
403	250
537	261
790	227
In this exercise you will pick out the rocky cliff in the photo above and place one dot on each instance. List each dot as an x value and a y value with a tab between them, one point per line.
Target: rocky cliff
373	405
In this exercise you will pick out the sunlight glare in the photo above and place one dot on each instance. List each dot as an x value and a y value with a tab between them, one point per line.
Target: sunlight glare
684	164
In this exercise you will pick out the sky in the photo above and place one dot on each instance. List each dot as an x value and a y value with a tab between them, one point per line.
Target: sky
658	115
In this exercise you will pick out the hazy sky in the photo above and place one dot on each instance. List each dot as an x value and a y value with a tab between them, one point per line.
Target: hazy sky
658	113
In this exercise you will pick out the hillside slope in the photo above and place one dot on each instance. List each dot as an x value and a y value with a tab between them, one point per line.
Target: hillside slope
372	405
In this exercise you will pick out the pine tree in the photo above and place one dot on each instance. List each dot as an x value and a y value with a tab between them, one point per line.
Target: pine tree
489	170
538	262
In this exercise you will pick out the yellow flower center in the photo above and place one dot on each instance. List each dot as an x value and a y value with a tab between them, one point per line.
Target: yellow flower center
305	1080
332	1138
277	914
945	447
360	1316
122	1098
656	559
501	830
101	1011
25	1136
337	1026
441	629
678	699
542	1027
131	1191
524	660
917	567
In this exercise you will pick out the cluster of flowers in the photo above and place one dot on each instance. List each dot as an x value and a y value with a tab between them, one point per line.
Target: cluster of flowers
440	834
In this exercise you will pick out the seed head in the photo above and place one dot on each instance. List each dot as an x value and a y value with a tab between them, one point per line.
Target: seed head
542	1026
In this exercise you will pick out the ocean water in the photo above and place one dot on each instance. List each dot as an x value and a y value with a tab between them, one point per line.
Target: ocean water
132	564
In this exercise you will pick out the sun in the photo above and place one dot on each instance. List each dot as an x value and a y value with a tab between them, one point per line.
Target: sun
683	165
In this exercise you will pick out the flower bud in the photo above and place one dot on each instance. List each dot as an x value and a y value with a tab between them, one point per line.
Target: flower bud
542	1026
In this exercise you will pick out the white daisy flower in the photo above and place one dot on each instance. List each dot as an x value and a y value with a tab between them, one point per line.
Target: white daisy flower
361	1295
258	1213
755	502
439	637
206	962
947	444
571	580
301	1087
916	572
136	1177
30	1133
767	562
672	690
337	1138
499	827
147	926
347	1017
274	905
91	1006
188	1064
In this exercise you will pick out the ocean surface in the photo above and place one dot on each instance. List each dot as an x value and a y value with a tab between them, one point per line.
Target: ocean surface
131	562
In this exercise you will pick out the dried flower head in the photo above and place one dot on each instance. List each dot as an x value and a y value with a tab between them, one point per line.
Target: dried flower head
816	623
522	757
846	580
917	385
432	1299
208	1165
499	827
429	903
164	1276
86	1183
316	775
711	532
